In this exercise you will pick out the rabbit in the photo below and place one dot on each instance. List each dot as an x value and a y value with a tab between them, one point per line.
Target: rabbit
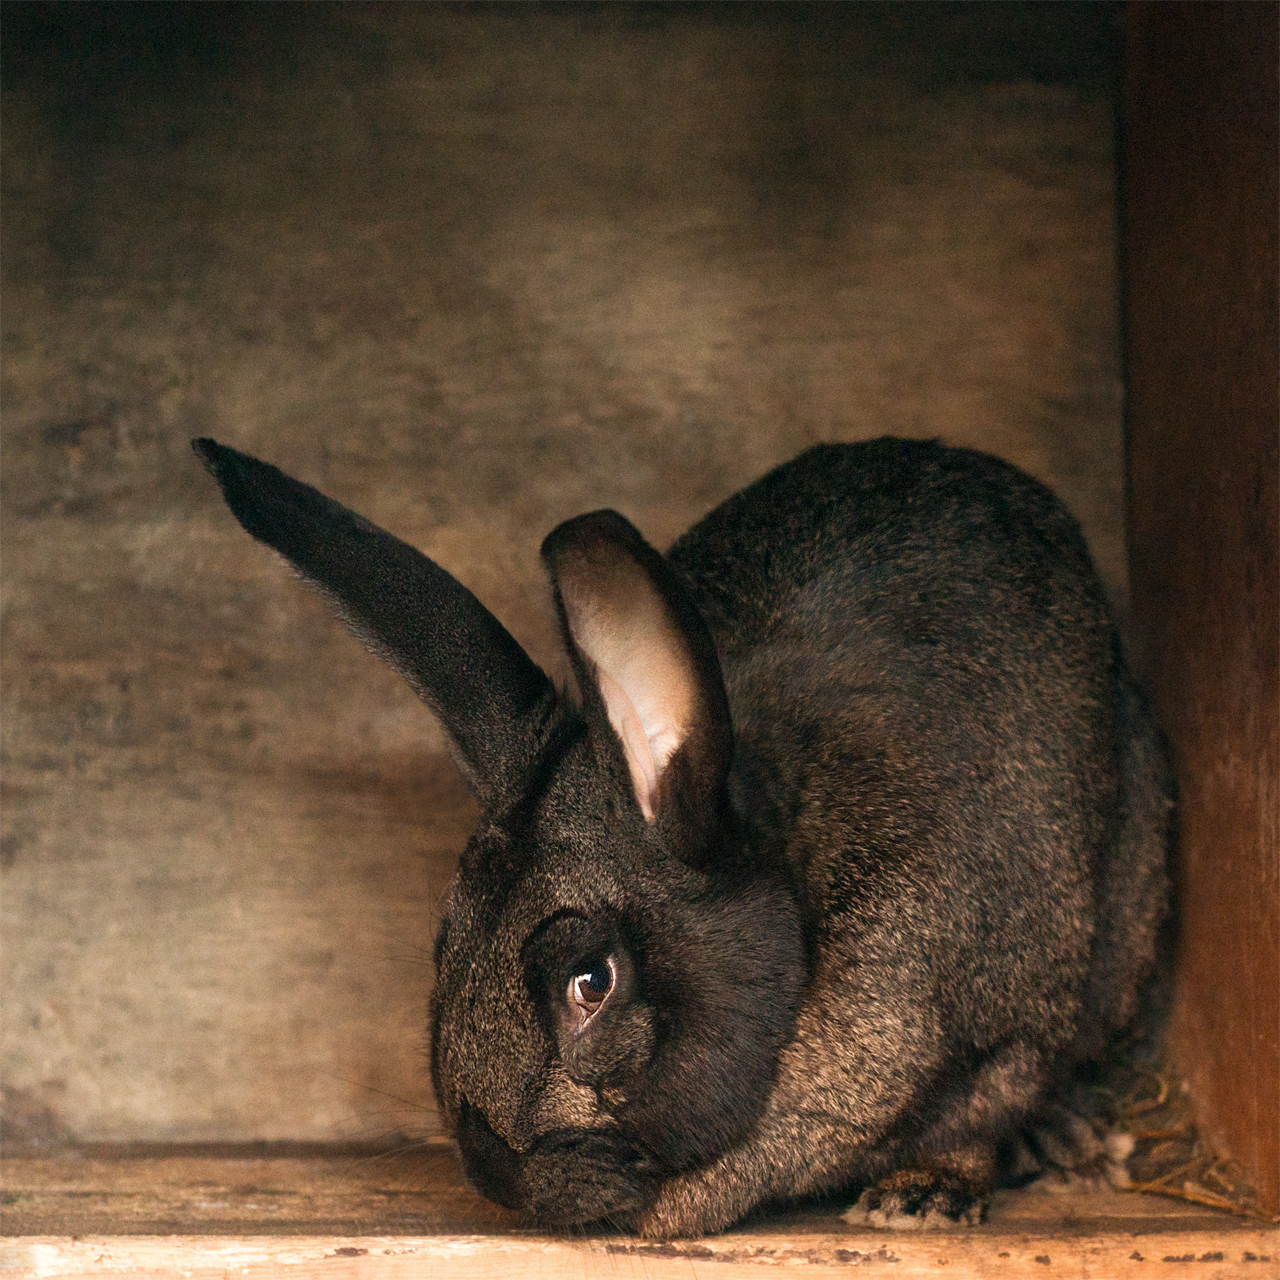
850	846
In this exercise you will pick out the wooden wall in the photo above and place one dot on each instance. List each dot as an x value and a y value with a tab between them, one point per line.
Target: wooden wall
472	271
1201	284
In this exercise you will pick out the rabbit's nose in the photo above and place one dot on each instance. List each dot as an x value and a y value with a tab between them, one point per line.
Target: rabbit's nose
492	1167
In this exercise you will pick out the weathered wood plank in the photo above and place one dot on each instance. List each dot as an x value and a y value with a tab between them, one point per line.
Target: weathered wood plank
390	1214
1202	133
1215	1255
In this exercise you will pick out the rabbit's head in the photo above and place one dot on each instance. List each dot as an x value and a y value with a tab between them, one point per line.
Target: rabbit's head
614	975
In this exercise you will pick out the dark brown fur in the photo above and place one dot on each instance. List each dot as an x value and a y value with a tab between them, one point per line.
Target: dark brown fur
899	859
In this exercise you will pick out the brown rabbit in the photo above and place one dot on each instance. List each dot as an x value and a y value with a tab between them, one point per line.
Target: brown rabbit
853	842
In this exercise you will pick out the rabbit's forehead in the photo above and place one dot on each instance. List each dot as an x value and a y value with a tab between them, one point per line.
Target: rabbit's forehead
513	877
567	850
493	922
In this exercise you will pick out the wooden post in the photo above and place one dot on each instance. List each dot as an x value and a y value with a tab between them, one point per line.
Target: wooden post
1199	238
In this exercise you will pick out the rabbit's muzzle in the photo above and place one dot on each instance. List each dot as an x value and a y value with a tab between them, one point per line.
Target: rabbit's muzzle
492	1166
568	1177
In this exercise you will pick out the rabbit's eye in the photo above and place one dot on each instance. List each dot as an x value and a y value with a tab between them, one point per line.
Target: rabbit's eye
589	990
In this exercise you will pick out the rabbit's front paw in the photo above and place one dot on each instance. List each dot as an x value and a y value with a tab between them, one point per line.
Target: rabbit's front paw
916	1199
698	1203
681	1213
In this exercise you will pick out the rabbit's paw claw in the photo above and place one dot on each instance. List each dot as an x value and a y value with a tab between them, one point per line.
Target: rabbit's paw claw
911	1200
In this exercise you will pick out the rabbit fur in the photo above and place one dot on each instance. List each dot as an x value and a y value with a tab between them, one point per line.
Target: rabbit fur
850	846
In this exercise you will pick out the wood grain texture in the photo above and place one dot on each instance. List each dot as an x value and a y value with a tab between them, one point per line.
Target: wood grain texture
1202	283
472	272
1234	1254
409	1214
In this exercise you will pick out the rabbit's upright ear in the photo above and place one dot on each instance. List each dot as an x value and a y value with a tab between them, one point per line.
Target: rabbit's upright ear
490	695
638	640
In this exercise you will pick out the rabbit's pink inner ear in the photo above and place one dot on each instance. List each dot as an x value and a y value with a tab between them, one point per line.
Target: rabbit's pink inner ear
620	624
635	743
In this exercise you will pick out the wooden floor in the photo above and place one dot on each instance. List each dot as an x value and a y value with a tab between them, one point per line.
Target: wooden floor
300	1212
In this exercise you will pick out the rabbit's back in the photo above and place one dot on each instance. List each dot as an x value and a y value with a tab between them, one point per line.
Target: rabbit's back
925	688
910	540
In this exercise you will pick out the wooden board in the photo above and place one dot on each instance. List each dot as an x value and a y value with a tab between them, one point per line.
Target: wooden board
1202	279
472	271
360	1212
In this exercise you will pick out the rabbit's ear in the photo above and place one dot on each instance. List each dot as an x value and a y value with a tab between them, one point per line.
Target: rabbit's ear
638	638
490	695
